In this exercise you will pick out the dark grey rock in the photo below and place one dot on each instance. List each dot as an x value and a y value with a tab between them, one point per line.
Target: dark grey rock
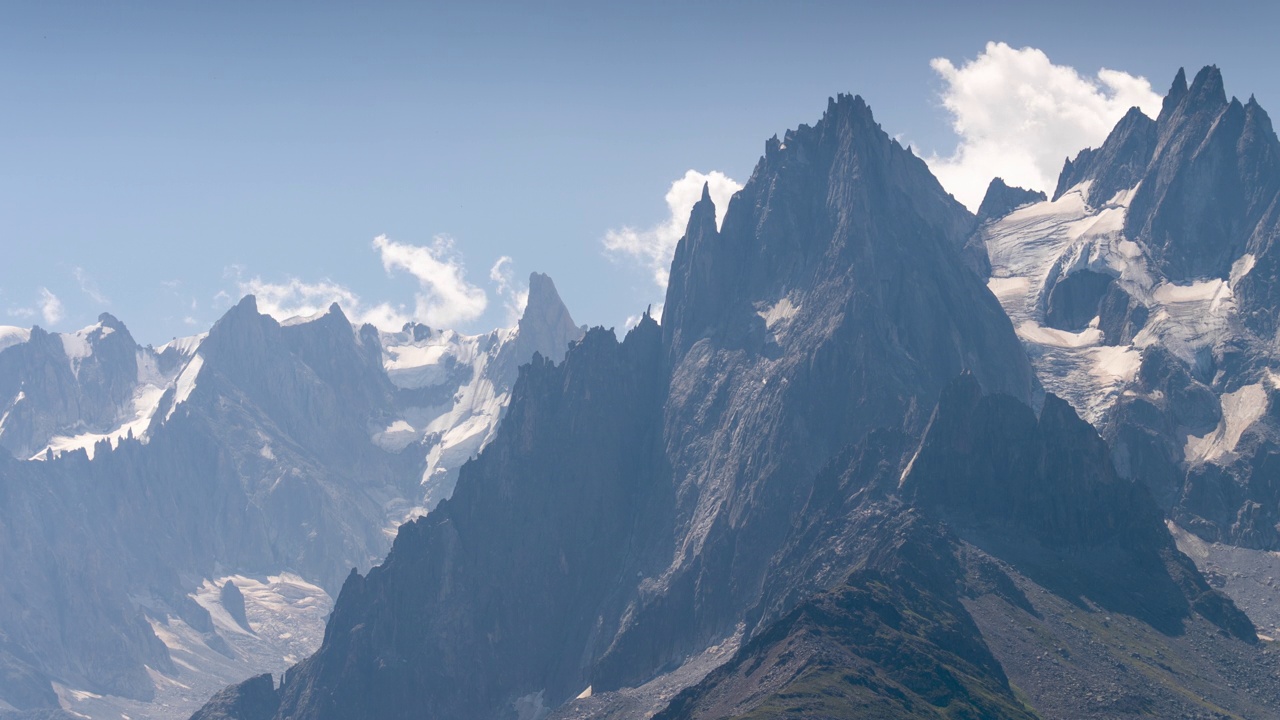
1214	176
253	699
1075	300
1117	165
1001	199
233	602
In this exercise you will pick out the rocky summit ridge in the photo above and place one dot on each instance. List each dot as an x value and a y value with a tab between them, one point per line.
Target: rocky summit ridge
781	501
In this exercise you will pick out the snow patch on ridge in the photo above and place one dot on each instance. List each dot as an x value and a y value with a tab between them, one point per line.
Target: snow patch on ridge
779	312
1241	267
1240	409
10	336
184	346
186	383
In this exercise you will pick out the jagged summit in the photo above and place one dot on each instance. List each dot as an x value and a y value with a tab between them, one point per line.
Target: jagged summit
1177	90
1002	199
1214	173
248	303
1115	166
1207	88
108	320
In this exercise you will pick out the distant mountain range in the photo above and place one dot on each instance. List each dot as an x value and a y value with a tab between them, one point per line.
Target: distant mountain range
881	457
272	456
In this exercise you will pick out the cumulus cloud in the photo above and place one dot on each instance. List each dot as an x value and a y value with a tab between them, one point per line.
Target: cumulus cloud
50	306
514	295
88	286
653	247
1019	116
445	298
296	298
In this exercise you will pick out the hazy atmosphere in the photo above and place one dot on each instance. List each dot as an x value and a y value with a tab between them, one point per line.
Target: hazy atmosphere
164	160
650	361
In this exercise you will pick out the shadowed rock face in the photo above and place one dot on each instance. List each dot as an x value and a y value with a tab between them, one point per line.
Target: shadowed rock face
1076	300
997	510
987	459
1002	199
489	592
1214	176
253	699
1119	164
892	641
626	514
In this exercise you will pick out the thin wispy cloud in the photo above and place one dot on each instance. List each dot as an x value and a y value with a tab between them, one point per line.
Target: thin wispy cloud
88	286
47	306
514	295
50	306
1019	116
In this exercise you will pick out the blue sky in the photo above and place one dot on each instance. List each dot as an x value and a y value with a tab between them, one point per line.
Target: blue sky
158	159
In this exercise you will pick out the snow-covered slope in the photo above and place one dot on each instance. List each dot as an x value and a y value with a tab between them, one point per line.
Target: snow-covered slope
1143	292
453	388
1036	245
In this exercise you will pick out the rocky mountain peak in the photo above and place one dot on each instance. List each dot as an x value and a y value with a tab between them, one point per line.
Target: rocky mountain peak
335	311
544	305
1214	173
1207	89
545	326
109	321
1002	199
702	218
1118	164
239	328
1177	91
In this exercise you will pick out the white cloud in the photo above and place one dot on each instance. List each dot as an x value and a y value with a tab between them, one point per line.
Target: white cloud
50	306
295	298
88	286
653	247
515	296
1019	116
446	298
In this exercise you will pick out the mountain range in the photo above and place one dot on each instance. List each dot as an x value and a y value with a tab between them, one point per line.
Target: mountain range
263	459
879	457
